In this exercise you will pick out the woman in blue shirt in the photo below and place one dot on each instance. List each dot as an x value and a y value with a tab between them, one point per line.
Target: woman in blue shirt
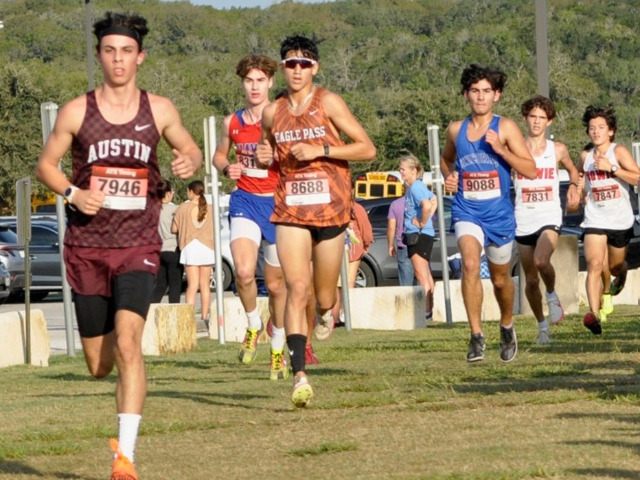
419	208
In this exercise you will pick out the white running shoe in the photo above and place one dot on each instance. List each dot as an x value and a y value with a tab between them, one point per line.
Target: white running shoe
544	337
556	312
324	326
301	392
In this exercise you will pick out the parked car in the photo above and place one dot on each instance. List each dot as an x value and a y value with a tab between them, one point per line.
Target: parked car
44	253
377	268
12	258
5	283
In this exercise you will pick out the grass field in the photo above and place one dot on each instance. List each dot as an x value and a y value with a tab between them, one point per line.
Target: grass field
387	405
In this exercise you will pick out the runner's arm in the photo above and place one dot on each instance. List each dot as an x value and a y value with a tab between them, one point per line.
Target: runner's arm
562	155
514	151
58	144
221	156
187	155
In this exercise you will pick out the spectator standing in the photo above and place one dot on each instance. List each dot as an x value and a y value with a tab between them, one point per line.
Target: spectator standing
193	222
170	271
420	205
395	229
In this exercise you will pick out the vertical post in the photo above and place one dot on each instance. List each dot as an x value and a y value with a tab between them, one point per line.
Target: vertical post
434	158
542	48
635	150
23	203
542	51
209	148
87	20
344	291
48	115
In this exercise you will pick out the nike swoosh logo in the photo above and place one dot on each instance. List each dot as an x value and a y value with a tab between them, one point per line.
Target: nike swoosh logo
148	263
313	112
139	128
291	352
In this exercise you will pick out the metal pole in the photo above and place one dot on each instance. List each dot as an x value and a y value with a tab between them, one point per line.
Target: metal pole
209	148
23	203
635	150
48	115
542	51
344	291
88	17
434	157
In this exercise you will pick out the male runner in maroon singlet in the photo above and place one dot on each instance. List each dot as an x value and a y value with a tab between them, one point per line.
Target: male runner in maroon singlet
112	245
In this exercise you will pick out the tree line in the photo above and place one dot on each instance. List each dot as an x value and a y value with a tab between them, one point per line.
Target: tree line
397	63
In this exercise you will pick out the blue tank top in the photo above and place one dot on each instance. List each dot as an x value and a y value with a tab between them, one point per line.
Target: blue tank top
484	183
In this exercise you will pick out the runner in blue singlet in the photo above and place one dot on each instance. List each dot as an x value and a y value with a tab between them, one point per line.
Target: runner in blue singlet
483	148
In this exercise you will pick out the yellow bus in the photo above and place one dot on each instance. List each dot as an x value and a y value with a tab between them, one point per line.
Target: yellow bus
378	185
43	202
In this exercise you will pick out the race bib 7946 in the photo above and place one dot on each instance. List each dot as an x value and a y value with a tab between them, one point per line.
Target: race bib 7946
124	188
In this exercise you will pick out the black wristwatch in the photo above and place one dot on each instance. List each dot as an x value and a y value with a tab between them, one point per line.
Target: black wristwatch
614	169
326	150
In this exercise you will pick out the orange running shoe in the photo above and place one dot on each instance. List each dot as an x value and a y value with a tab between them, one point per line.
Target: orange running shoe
122	468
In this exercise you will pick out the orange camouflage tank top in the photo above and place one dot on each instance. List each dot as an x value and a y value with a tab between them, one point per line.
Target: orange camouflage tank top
315	193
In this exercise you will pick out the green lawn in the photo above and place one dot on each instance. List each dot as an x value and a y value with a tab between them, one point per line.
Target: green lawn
399	405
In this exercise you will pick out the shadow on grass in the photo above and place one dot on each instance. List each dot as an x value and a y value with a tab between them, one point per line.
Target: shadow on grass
209	398
14	467
606	473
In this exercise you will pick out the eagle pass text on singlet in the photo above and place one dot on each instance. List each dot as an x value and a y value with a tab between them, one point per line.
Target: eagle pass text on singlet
317	192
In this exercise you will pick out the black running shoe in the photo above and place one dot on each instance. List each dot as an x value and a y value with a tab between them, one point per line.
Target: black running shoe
508	344
592	323
616	285
476	348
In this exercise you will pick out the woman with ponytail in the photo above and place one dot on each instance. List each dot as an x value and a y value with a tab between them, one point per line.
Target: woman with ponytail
193	222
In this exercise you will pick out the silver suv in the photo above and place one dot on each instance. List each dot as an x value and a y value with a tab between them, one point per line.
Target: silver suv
12	258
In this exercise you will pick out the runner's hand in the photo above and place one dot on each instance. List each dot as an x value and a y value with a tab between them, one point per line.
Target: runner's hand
182	166
305	152
264	154
451	182
493	139
88	202
235	171
601	162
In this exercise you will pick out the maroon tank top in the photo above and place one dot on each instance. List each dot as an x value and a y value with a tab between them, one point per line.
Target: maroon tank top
121	161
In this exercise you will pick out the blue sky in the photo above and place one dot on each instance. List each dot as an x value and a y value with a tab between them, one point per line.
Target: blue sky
222	4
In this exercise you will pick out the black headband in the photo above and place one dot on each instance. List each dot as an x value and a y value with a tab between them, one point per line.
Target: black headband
127	32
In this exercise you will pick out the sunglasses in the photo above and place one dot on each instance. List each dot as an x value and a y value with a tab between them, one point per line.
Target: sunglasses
303	63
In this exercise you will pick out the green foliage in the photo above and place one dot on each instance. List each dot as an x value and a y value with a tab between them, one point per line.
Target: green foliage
396	62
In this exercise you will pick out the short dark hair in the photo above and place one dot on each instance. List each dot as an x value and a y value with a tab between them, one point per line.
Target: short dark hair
541	102
608	113
131	25
260	62
296	43
166	187
474	73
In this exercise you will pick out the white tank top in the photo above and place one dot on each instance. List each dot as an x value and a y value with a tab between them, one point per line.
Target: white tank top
608	206
538	200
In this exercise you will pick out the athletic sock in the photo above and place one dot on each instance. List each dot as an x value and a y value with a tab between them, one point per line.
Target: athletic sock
128	424
297	344
551	295
278	339
255	322
544	325
507	326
